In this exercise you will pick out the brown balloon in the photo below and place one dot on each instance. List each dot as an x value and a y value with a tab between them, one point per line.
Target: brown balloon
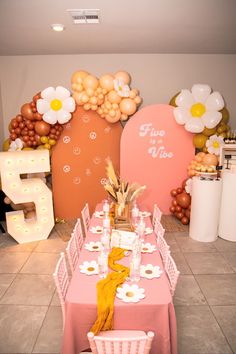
173	193
174	202
185	220
187	213
38	116
42	128
26	111
172	209
180	215
179	190
183	200
178	208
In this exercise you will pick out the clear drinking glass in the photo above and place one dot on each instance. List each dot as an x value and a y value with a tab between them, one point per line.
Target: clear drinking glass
103	264
135	269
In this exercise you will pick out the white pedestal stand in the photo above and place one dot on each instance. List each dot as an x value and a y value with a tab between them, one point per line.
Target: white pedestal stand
205	208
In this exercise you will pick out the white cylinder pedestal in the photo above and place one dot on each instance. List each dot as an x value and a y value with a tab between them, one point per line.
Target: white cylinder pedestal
227	224
205	209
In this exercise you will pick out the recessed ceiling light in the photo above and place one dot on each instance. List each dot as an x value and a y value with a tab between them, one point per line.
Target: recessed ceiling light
57	27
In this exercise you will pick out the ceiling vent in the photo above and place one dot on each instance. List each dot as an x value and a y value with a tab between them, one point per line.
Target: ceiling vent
83	16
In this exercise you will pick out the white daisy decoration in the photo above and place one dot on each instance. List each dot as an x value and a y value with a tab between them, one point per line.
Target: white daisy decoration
98	214
198	108
121	88
89	268
150	271
16	145
148	248
148	231
130	293
188	186
56	105
96	229
93	246
214	144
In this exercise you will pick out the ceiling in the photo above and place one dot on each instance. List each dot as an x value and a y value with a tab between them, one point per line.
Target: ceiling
127	26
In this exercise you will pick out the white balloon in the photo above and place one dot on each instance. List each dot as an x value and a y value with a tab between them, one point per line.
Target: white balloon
215	102
50	117
69	104
211	119
194	125
48	93
201	92
181	115
42	106
184	99
62	93
63	116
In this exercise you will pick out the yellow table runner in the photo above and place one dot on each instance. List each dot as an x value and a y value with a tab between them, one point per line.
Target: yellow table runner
106	291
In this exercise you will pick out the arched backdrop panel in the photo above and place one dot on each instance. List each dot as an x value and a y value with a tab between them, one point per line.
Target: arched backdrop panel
155	151
78	162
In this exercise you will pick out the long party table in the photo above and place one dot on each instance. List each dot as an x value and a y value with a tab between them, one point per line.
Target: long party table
153	313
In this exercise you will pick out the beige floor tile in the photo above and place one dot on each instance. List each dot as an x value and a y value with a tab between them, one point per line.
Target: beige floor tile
30	289
5	282
52	245
49	339
12	262
187	244
198	331
8	244
19	327
188	292
207	263
55	299
218	289
230	258
226	317
181	263
224	245
40	263
170	239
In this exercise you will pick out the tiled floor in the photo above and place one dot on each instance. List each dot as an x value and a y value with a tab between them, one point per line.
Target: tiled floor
205	298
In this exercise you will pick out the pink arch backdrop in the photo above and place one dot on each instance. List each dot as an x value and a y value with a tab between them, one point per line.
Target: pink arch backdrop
155	151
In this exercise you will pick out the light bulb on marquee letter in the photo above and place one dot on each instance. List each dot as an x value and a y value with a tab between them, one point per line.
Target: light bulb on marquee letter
12	165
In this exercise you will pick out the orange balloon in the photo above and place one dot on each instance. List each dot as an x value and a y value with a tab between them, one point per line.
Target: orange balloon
210	159
42	128
124	76
26	111
183	200
113	97
91	82
106	82
128	106
78	76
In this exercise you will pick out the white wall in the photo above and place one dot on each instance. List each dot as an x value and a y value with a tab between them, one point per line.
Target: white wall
157	76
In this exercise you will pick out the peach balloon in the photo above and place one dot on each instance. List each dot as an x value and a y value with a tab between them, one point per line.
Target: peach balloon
112	119
137	99
124	76
78	98
90	92
106	82
78	76
210	159
123	117
90	82
128	106
132	94
113	97
87	106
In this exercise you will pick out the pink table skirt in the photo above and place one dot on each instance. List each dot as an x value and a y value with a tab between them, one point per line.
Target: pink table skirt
153	313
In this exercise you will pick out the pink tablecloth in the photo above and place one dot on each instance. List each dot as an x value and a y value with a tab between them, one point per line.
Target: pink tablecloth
153	313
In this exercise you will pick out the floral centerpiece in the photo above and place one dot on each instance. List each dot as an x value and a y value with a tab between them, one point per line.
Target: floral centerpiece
122	193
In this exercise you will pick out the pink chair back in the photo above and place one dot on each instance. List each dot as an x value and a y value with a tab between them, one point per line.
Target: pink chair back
156	216
121	342
86	218
61	278
72	252
159	230
172	273
78	233
164	249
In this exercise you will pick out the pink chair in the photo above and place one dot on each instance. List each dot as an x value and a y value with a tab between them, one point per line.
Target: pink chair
159	230
72	252
86	218
121	342
78	233
156	216
172	273
61	278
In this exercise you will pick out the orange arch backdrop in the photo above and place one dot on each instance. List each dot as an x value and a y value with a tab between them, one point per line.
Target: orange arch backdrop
78	162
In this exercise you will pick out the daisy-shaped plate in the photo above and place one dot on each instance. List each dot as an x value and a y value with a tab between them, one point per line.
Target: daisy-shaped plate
93	246
148	248
148	231
96	229
150	271
130	293
144	214
99	214
89	268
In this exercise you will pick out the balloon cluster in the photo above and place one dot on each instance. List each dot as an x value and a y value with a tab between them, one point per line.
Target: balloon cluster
31	129
181	204
110	96
28	208
202	162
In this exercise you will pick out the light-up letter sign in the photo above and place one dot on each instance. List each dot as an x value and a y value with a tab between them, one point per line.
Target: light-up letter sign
12	165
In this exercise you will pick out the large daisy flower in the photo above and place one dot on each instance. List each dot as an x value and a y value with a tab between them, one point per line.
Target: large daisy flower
198	109
189	186
148	248
214	144
130	293
89	268
121	88
150	271
56	105
16	145
93	246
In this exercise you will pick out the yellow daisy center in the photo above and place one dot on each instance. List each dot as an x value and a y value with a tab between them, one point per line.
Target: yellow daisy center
197	110
56	104
90	269
120	88
129	294
216	144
